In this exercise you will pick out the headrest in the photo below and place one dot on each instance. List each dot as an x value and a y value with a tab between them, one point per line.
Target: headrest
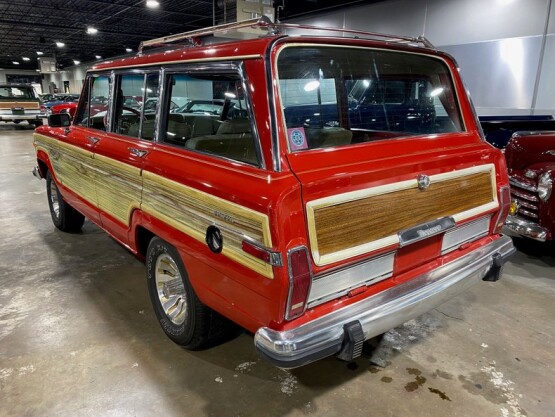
234	126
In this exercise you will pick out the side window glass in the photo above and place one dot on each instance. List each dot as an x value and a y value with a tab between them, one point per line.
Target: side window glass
149	106
95	103
208	114
128	104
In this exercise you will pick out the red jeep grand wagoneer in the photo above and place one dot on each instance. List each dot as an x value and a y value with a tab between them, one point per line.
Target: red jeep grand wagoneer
317	191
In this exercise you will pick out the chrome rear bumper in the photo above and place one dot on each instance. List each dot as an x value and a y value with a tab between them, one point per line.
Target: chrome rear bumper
327	336
526	228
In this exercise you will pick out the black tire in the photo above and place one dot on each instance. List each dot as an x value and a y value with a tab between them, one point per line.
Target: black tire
193	324
36	123
64	217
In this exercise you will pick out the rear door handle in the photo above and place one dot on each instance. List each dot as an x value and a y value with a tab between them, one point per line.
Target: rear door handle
93	140
138	152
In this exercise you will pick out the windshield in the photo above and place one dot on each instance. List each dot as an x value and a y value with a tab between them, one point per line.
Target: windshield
334	96
19	92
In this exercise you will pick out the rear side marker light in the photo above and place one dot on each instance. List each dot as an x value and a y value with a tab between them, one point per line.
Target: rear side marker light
262	253
300	280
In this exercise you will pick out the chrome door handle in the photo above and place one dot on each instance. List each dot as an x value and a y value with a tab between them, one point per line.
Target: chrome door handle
137	152
93	140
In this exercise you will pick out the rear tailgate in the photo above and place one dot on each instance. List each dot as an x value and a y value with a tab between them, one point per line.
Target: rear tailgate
392	206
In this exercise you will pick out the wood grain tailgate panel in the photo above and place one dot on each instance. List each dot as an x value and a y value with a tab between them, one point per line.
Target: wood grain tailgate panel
353	223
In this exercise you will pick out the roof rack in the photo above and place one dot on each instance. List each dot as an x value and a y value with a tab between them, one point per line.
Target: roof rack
195	37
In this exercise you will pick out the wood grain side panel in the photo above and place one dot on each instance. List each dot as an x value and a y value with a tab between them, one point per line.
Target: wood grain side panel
25	104
119	187
354	223
192	211
72	166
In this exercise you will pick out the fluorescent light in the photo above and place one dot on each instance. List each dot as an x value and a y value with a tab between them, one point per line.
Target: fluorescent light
98	57
128	50
76	62
436	92
60	44
25	58
229	95
153	4
40	53
311	85
15	62
92	31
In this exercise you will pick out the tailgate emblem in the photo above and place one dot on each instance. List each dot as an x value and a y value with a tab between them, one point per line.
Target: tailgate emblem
423	181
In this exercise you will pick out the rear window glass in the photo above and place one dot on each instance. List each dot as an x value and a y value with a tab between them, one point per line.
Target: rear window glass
19	92
335	96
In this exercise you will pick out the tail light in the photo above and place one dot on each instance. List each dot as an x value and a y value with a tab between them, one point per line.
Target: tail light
504	206
300	280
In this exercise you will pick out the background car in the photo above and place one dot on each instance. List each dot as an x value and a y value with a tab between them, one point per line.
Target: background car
531	162
58	99
19	102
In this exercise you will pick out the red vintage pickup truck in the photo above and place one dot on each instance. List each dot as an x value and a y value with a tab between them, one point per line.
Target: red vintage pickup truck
331	189
531	161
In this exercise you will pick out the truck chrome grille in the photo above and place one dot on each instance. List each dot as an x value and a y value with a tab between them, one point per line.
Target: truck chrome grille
526	196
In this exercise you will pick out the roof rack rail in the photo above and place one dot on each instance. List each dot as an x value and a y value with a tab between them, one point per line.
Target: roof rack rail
376	35
195	37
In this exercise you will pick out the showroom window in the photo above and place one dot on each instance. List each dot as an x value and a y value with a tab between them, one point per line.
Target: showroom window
208	113
95	105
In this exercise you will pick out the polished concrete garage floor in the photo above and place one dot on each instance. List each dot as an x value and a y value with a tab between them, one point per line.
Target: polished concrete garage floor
78	337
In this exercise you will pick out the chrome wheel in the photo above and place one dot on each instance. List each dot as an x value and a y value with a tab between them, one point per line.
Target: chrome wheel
55	203
170	289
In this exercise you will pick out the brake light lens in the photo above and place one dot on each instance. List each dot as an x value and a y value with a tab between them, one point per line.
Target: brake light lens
300	280
504	206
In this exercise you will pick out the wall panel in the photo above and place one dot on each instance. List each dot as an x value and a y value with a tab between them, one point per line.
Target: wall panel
546	89
499	74
453	22
396	17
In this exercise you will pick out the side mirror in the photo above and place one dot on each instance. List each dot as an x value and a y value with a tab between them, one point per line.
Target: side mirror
59	120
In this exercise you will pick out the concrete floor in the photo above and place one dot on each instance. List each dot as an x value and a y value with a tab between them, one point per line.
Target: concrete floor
78	337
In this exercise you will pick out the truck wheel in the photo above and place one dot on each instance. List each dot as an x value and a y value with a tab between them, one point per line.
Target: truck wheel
36	123
64	217
183	317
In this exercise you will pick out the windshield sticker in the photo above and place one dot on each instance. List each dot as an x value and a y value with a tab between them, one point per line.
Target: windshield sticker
297	138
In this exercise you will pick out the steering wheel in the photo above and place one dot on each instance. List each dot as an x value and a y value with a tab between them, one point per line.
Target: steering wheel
132	110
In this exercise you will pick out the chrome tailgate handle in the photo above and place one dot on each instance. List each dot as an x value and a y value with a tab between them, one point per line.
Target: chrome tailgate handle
138	152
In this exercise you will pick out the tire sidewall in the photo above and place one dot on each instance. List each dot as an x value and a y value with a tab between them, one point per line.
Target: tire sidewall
56	220
183	333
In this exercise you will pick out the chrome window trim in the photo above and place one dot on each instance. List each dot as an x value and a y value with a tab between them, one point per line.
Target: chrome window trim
229	67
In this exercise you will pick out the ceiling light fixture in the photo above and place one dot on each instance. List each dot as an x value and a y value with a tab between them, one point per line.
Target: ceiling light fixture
153	4
15	62
98	57
128	50
25	58
60	44
40	53
92	31
76	62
